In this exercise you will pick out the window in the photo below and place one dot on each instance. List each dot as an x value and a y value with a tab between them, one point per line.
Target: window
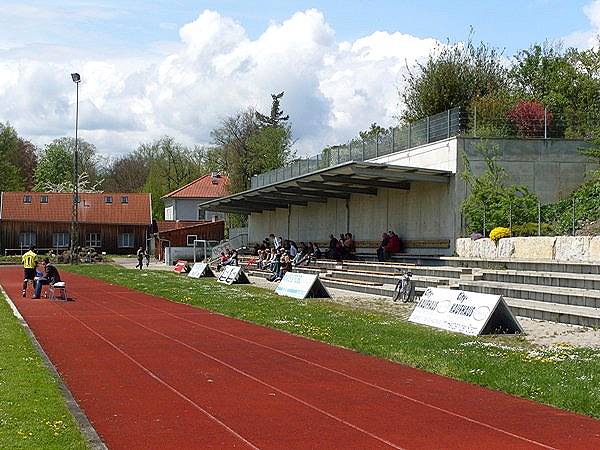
60	240
27	239
190	239
93	240
108	199
27	199
124	199
125	240
201	214
43	199
169	213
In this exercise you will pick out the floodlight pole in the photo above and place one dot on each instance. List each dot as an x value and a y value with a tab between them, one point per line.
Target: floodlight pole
75	206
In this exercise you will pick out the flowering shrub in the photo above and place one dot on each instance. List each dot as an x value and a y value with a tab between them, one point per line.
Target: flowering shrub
528	117
499	233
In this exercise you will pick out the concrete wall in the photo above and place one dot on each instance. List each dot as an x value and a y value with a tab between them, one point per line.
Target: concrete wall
551	168
423	212
441	155
187	209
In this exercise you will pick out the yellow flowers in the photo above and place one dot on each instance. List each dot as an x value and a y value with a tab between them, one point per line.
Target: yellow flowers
499	233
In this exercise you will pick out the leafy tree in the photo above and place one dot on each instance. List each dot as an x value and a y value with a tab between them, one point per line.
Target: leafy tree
170	165
55	164
529	117
452	76
27	162
491	198
11	160
126	173
270	149
566	82
54	167
373	131
232	138
276	118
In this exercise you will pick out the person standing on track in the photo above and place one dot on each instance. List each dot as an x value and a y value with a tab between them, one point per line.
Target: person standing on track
29	264
140	258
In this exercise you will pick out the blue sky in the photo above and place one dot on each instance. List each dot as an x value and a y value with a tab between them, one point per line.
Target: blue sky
178	67
506	24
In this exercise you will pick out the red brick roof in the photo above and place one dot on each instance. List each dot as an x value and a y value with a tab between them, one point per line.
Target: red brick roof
92	208
203	187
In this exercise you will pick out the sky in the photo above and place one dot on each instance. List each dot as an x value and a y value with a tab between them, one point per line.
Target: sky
177	67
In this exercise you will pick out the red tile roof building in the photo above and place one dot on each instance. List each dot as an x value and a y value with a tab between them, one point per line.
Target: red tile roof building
183	203
112	222
208	186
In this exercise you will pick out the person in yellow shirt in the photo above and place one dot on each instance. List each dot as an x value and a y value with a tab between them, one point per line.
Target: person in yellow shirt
29	264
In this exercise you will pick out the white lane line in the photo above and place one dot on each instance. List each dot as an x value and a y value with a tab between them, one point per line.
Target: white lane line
164	383
264	383
351	377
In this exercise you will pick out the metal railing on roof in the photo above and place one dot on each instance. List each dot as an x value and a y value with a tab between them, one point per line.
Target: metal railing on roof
430	129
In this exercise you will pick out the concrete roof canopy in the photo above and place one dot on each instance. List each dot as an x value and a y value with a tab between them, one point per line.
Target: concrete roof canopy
338	181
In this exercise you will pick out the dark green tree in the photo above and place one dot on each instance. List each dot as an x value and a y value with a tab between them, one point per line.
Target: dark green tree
452	76
12	177
276	117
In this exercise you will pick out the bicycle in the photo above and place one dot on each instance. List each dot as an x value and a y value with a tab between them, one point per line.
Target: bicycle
405	288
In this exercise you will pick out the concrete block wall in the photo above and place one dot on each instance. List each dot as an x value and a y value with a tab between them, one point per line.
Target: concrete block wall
560	248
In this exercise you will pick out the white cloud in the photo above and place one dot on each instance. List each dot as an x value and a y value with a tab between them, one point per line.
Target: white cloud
587	38
333	89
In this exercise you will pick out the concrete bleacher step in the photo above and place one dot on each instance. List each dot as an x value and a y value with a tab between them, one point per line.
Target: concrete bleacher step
390	268
556	279
588	268
554	312
550	294
380	278
539	295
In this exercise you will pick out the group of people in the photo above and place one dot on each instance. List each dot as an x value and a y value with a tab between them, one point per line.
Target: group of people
280	255
390	244
141	256
342	248
38	274
227	258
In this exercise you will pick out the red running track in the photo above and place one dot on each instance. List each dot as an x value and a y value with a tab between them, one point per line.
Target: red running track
150	373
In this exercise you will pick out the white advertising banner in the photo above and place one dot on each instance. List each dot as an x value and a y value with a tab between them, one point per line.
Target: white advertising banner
464	312
301	285
200	270
233	274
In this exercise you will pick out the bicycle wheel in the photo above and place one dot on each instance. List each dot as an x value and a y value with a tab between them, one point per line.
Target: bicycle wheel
397	291
408	292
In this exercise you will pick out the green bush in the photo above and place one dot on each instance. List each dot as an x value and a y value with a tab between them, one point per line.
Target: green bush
531	229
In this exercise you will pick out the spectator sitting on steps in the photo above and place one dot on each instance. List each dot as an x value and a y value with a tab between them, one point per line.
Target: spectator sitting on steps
385	239
393	245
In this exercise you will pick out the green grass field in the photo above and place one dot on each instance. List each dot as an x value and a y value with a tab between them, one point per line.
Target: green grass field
33	414
564	376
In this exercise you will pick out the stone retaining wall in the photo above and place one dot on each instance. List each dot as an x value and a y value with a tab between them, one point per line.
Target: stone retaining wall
559	248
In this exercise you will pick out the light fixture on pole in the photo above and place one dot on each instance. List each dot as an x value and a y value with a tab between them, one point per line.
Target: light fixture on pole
74	211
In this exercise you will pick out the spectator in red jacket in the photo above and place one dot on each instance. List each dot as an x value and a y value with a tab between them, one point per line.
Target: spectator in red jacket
393	245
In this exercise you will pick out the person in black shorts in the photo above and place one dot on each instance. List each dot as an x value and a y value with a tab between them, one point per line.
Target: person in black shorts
29	264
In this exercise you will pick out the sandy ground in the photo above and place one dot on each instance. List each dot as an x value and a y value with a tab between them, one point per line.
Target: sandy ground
536	331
